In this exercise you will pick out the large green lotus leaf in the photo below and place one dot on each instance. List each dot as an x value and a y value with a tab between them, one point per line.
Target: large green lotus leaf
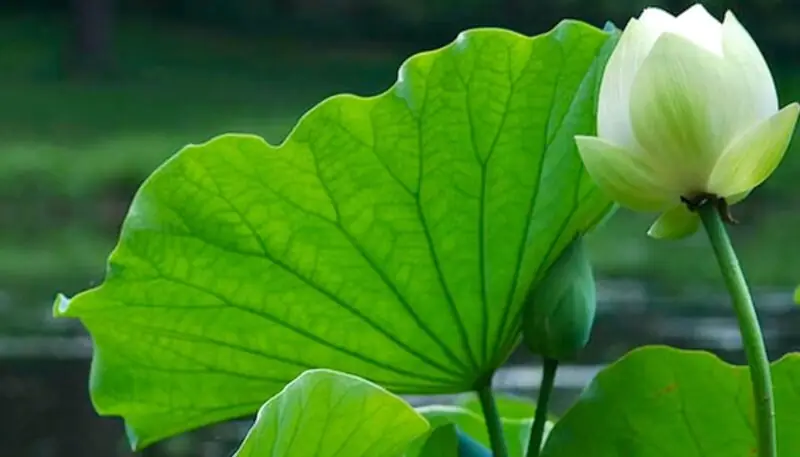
663	402
797	295
515	430
392	237
324	413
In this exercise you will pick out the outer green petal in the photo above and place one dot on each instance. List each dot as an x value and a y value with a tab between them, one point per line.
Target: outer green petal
624	176
683	110
674	224
754	155
734	199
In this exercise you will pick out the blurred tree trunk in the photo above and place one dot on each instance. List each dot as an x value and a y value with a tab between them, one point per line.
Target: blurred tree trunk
93	50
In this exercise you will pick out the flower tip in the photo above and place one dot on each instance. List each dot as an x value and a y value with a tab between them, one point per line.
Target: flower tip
731	18
655	15
794	110
653	10
631	23
695	9
584	142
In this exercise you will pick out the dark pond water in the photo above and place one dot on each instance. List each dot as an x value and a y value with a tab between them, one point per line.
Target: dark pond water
45	410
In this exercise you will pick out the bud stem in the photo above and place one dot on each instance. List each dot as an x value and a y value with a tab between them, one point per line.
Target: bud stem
753	341
540	417
493	424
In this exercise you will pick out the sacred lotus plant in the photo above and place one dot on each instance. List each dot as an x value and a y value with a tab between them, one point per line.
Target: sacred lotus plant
406	243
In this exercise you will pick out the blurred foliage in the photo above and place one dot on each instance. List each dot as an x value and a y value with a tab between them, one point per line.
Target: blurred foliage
426	22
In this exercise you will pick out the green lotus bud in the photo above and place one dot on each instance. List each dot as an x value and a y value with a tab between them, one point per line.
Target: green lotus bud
559	312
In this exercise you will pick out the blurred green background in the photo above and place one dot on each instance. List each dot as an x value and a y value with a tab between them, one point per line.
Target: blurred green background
95	94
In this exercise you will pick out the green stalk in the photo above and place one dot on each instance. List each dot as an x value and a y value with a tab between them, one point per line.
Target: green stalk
753	341
540	418
493	424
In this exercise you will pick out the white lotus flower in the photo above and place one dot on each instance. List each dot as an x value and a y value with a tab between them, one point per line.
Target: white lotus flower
687	107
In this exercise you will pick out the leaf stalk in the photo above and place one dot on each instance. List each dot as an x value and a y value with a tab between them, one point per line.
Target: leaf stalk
540	417
493	422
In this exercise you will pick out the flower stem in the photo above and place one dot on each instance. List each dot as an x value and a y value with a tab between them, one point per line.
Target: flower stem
540	417
493	424
752	339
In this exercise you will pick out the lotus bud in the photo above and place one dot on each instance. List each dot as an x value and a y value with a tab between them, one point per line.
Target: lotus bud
687	110
559	313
